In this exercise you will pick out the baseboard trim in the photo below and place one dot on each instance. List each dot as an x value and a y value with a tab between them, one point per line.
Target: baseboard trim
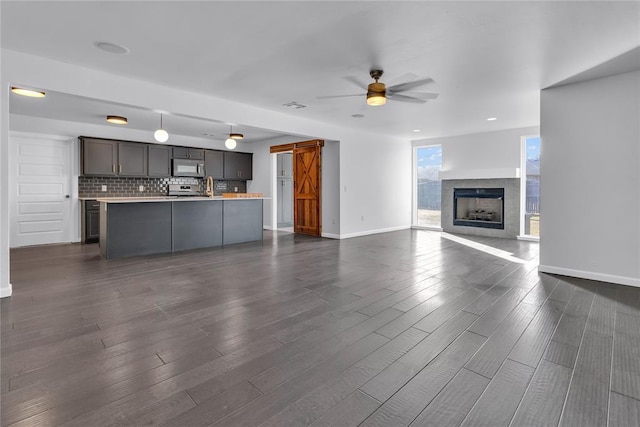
426	227
6	292
331	236
378	231
529	238
610	278
267	227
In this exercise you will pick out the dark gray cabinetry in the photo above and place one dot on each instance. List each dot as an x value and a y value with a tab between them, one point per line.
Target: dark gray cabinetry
105	157
238	165
242	221
99	157
213	164
159	161
91	221
128	229
132	159
188	153
197	225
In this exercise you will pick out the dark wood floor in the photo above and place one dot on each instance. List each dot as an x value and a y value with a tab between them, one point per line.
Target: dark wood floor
396	329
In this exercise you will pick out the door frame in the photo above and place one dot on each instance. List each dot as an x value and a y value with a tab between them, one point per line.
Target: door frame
282	148
73	229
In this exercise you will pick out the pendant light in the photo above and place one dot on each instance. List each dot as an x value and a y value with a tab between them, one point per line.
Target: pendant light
231	143
161	135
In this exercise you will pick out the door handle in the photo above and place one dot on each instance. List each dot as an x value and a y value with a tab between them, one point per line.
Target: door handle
67	196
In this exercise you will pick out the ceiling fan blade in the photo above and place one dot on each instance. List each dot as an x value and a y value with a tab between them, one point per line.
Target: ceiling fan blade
423	95
339	96
404	98
409	85
356	82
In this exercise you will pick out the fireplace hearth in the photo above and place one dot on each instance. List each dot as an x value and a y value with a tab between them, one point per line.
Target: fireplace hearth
479	207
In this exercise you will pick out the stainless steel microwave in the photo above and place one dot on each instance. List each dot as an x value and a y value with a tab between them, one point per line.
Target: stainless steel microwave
186	167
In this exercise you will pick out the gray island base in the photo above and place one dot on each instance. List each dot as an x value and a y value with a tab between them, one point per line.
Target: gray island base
131	227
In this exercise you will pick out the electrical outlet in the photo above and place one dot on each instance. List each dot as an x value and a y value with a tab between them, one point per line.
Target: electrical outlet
235	189
333	221
362	218
141	188
104	188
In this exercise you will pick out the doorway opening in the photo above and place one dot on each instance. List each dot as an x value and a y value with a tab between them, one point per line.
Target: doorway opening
284	191
306	185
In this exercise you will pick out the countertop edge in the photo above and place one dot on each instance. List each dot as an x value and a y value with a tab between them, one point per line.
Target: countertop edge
174	199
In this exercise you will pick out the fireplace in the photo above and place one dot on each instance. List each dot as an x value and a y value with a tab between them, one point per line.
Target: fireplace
479	207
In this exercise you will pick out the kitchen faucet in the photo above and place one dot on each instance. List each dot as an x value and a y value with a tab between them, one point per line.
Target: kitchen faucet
209	189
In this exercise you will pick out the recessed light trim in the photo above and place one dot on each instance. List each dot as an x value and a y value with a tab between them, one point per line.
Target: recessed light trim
357	116
117	120
417	130
111	48
491	119
32	93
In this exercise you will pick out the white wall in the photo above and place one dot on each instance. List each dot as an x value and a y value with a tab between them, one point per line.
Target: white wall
374	171
590	179
497	150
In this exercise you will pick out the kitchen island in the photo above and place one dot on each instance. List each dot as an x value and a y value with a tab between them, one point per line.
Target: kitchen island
152	225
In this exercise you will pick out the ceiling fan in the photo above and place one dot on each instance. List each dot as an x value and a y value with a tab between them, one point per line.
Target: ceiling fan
378	93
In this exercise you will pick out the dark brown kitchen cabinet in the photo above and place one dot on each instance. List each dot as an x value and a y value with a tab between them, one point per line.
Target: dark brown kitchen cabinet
238	165
213	164
106	157
132	159
159	161
188	153
99	157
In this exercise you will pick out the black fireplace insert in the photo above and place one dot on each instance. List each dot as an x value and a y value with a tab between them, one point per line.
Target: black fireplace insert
479	207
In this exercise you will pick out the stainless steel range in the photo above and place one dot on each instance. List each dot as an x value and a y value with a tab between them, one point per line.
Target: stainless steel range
184	190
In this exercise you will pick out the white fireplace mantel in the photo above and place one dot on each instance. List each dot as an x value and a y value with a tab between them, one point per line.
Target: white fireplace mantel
495	173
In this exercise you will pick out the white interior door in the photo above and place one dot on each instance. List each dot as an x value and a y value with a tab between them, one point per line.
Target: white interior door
40	196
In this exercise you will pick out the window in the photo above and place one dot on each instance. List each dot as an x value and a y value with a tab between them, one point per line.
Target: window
428	185
531	186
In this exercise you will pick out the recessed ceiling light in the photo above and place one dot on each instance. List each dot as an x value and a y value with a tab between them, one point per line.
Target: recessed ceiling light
28	92
111	48
117	120
357	116
417	130
490	119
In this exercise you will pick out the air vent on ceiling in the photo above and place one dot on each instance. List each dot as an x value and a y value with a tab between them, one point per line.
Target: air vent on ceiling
294	104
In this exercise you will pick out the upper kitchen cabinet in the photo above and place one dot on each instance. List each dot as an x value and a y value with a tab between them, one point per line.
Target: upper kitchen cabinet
99	157
213	164
106	157
238	165
159	161
132	159
285	165
188	153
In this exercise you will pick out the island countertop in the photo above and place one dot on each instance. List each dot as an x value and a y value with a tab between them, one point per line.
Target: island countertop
173	199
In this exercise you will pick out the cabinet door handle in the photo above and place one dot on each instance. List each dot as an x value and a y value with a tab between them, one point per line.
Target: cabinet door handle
113	168
119	168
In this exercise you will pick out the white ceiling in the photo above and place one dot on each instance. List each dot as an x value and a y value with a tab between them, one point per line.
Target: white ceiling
487	59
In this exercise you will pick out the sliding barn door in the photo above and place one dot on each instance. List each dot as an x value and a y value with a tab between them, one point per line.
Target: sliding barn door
307	186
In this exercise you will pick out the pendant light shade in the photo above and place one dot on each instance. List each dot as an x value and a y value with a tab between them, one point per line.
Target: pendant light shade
161	135
231	143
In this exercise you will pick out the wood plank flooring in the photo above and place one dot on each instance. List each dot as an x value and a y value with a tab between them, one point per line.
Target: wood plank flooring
395	329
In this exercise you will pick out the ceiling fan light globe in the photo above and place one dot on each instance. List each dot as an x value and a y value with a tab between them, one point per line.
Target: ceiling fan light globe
161	135
376	99
230	143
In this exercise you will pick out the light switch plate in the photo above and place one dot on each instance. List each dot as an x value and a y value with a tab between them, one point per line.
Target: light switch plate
141	188
104	188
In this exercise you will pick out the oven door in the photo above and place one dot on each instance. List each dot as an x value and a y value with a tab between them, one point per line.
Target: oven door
184	167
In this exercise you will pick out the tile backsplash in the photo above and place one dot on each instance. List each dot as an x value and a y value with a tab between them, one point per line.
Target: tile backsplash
90	186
